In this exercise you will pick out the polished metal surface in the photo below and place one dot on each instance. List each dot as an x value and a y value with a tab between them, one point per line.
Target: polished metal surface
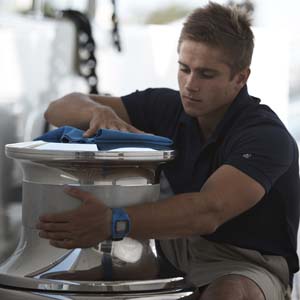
41	151
118	178
58	173
72	286
9	294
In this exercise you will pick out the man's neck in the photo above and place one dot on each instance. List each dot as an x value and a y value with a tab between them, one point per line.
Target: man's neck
208	123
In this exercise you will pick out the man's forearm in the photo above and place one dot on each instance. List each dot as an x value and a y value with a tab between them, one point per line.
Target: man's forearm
179	216
78	110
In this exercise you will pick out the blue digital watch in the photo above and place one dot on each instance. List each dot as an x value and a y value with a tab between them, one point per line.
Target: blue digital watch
120	224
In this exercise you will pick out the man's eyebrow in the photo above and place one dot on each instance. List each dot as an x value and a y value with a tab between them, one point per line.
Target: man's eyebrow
199	69
182	64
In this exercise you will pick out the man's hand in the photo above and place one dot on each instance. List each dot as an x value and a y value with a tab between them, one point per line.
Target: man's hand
105	117
83	227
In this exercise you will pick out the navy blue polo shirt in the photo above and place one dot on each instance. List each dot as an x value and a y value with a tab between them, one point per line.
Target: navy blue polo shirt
251	138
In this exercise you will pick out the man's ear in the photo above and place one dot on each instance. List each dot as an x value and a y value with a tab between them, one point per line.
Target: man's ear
242	77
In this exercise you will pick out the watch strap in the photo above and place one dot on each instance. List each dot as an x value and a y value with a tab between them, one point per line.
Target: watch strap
120	224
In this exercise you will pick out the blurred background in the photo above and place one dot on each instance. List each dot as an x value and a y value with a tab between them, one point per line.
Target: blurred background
50	48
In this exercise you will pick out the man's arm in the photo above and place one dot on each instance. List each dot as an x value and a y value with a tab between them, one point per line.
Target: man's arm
89	112
227	193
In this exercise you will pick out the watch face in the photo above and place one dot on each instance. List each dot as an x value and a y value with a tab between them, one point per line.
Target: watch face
121	226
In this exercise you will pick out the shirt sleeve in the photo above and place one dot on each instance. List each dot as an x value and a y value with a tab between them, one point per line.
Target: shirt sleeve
263	153
153	110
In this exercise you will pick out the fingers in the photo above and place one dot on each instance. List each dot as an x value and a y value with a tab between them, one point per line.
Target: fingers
114	124
67	216
135	130
79	228
53	227
57	236
91	131
129	128
65	244
63	217
79	194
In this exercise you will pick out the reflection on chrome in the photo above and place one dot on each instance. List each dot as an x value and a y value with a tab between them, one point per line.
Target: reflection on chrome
64	263
128	250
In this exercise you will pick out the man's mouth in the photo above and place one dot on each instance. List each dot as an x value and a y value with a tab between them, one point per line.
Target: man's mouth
192	98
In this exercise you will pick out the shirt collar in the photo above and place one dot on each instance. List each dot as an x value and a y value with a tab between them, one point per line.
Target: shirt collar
242	100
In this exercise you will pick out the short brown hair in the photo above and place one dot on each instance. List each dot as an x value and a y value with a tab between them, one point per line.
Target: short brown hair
223	27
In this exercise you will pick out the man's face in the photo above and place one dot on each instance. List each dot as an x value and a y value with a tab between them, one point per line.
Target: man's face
205	82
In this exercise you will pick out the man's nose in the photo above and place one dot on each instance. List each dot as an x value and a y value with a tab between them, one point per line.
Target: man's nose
192	83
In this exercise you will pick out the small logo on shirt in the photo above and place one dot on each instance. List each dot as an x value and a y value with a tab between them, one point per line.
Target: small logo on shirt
247	155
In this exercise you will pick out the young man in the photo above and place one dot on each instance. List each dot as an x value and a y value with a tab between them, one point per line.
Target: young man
231	224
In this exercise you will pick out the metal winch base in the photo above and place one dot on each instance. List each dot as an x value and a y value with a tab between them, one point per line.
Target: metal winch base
127	269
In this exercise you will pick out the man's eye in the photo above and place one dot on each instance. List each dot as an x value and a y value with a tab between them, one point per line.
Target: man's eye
207	75
184	70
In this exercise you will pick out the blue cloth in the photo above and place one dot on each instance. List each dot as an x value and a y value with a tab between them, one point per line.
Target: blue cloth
106	139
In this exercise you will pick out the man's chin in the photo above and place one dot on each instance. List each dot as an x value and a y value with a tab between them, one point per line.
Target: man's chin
192	113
